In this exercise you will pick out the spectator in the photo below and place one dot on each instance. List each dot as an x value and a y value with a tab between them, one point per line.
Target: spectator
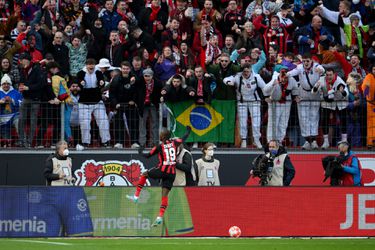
309	37
233	18
335	94
31	88
143	40
60	52
10	100
72	12
282	91
350	166
123	96
154	19
8	51
97	48
148	106
115	51
184	16
224	69
75	137
275	34
368	87
137	68
356	106
207	11
13	72
172	36
29	46
201	82
165	66
339	17
29	7
91	81
185	169
78	52
187	58
50	105
309	73
249	87
249	39
109	16
356	35
176	90
208	167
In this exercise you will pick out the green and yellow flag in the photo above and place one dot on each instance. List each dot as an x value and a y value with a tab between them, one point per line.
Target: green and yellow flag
213	122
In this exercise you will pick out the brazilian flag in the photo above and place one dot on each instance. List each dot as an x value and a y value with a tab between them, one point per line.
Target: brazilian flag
213	122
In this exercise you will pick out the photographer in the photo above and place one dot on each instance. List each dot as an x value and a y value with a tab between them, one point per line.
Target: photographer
274	168
58	167
350	165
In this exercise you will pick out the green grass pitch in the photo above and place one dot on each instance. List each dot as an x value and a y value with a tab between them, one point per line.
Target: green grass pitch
186	244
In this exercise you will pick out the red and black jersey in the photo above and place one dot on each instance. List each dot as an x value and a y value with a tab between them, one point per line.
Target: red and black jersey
167	154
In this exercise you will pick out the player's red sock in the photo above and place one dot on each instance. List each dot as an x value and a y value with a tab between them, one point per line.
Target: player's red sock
163	206
140	185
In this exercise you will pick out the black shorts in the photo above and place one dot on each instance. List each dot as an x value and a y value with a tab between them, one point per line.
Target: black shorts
166	179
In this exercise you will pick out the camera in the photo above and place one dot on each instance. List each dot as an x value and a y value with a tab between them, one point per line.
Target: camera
262	168
332	169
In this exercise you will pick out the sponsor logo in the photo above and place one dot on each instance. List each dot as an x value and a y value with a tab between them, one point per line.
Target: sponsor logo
137	223
31	225
109	173
82	205
363	212
34	197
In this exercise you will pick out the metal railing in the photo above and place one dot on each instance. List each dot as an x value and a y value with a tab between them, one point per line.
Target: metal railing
41	125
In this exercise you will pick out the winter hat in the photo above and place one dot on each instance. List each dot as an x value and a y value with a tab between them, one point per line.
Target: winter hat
148	71
5	79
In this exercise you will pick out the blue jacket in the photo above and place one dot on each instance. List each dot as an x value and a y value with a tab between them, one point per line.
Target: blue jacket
305	33
110	20
8	111
352	171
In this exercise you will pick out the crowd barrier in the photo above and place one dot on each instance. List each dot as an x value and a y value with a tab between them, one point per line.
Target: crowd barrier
195	211
218	122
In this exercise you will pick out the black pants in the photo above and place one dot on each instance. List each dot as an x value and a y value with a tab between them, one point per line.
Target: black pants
132	121
325	119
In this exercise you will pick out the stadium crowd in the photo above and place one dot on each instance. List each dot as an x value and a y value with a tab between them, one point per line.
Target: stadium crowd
301	69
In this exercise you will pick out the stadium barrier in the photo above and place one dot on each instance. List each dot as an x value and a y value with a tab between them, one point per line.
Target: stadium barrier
195	211
121	168
218	122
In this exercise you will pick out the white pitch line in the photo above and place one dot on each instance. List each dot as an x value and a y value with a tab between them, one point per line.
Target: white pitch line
45	242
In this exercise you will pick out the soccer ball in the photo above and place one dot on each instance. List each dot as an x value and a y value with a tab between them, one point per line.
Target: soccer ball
234	232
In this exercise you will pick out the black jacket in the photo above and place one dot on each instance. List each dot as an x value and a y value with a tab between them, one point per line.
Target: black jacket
61	55
186	166
122	92
90	95
32	79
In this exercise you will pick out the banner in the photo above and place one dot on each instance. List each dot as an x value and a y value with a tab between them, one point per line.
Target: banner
283	211
213	122
195	211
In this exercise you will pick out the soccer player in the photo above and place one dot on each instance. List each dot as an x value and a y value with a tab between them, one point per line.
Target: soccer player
165	170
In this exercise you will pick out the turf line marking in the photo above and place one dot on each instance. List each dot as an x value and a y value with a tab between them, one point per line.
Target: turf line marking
45	242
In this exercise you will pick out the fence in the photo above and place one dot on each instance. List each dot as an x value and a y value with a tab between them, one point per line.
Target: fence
230	124
78	211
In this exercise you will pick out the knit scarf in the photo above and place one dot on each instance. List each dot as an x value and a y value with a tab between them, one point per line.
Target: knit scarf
329	84
154	13
284	86
149	89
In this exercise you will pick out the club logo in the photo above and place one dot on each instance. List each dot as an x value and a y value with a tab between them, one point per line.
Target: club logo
109	173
